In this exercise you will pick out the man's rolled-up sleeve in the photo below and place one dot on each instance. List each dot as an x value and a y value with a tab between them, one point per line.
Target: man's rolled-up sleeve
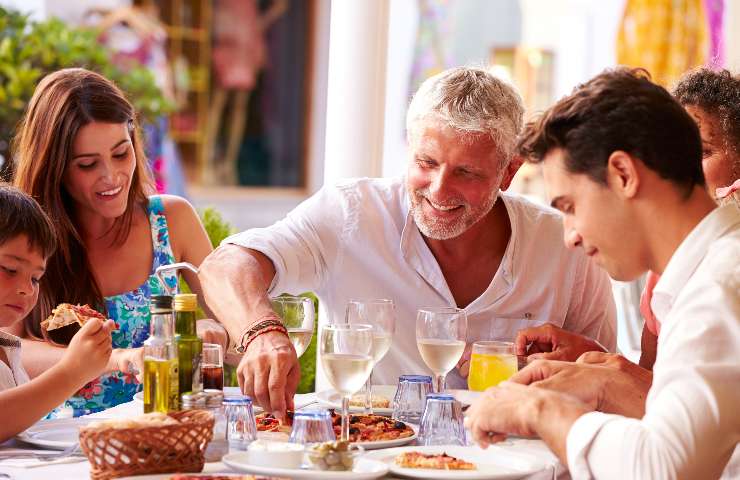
305	246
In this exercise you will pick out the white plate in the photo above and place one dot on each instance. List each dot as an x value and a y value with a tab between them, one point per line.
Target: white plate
364	469
333	399
228	392
56	434
495	463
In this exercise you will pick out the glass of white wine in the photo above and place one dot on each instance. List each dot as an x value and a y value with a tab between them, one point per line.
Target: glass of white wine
346	353
381	314
298	316
440	338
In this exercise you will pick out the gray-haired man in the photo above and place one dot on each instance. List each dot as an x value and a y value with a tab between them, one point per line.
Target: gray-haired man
436	237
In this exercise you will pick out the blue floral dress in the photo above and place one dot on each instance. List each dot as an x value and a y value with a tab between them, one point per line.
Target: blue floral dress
130	311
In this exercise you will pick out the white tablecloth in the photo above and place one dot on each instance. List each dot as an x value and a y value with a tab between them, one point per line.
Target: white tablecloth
80	470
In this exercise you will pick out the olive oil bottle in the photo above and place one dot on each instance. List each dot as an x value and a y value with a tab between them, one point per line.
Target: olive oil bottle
161	377
189	346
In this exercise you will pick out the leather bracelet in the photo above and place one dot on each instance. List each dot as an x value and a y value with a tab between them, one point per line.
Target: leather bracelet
273	328
258	329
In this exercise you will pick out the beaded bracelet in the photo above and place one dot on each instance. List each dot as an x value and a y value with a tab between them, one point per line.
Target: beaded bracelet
263	326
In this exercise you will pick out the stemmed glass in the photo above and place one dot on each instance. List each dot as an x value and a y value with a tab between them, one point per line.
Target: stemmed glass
381	315
346	355
298	316
440	338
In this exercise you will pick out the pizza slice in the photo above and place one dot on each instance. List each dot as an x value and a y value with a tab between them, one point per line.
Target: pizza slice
66	320
433	461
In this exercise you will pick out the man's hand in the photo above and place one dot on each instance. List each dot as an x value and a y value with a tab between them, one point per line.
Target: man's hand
210	331
553	343
269	372
519	410
605	382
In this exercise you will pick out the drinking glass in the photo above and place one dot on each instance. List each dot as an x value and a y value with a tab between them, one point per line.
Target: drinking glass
346	355
442	421
490	364
381	315
440	338
411	394
241	428
212	366
312	426
298	315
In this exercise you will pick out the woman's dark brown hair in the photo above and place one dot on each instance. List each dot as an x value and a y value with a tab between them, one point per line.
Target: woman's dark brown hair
64	102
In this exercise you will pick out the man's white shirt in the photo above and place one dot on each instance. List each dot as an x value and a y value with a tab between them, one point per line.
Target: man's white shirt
357	240
692	417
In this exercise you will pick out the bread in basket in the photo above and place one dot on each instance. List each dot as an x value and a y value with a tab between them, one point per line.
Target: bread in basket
152	443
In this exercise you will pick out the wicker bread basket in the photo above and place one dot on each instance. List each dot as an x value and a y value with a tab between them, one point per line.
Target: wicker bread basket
122	452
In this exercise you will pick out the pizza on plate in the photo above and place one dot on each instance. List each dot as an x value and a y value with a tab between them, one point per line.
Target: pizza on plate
362	428
378	401
434	461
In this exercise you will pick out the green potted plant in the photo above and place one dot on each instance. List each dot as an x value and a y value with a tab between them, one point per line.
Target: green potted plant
29	50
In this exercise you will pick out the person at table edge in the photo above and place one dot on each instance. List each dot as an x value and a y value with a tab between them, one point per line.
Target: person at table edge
444	234
622	144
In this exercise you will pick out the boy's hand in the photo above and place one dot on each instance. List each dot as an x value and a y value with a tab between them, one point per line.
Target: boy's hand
128	360
89	351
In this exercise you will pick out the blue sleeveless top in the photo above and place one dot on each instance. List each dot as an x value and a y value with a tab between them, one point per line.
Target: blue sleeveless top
130	311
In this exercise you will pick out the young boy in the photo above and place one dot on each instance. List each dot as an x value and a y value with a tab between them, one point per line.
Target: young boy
622	161
26	241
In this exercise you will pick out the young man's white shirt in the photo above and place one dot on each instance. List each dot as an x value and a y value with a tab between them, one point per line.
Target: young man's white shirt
692	417
357	240
13	374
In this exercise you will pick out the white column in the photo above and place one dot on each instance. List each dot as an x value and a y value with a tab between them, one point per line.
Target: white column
355	108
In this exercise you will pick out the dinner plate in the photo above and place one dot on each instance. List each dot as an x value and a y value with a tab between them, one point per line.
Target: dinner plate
334	399
364	469
495	463
56	434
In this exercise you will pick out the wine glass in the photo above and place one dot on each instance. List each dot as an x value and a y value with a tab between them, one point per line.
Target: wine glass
347	358
381	315
440	338
298	316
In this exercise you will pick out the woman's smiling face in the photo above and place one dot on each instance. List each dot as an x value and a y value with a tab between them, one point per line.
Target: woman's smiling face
98	176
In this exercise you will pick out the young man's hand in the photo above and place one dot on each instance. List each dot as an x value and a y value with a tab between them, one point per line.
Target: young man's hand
89	351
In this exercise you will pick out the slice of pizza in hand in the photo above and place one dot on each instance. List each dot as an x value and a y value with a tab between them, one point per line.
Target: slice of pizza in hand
434	461
66	320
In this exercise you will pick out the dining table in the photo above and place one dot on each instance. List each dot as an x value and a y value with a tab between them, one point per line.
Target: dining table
77	467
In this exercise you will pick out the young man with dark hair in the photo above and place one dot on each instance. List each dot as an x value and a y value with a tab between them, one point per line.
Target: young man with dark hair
622	161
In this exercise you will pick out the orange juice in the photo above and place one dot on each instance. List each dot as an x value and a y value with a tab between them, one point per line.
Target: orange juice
488	370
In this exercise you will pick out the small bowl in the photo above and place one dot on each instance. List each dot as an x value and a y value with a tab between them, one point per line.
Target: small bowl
264	453
333	456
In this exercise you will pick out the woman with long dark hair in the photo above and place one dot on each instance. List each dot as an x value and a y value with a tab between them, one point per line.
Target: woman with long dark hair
79	153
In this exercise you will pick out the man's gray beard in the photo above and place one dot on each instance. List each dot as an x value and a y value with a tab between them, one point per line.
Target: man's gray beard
442	230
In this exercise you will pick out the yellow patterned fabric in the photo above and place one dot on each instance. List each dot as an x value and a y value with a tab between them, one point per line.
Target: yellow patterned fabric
667	37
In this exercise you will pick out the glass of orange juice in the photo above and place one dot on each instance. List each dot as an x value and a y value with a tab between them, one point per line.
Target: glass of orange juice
491	363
